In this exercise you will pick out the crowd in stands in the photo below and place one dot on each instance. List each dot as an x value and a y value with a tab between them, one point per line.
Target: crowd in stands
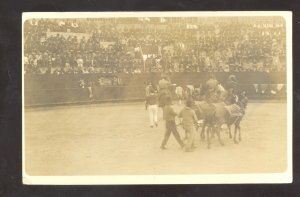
68	46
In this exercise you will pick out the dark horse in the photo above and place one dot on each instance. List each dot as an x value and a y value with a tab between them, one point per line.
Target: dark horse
236	116
207	111
218	114
211	123
226	109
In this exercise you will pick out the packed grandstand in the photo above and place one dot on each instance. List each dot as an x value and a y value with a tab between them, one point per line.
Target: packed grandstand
143	45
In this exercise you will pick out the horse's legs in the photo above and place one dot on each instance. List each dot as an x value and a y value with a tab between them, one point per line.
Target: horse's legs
235	131
217	129
229	129
185	135
212	133
202	134
238	128
240	137
208	136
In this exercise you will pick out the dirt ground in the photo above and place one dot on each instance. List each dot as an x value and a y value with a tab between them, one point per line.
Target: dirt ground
111	139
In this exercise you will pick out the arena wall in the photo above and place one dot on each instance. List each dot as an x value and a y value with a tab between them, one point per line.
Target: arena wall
57	89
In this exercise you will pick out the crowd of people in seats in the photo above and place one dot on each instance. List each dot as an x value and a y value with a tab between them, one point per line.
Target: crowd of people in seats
73	46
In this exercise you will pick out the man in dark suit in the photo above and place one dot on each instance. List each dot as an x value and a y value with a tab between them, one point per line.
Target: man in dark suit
169	117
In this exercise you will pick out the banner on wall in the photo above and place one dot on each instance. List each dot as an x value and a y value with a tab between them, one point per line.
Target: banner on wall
67	34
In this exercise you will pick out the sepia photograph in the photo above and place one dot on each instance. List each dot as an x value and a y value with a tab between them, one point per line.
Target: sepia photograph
157	97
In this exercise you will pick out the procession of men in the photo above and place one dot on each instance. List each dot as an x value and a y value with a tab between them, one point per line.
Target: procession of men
203	106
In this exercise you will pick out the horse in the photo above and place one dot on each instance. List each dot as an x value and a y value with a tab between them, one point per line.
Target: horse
210	121
220	114
217	110
237	116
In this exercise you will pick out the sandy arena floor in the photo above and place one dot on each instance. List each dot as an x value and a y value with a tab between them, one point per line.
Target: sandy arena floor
109	139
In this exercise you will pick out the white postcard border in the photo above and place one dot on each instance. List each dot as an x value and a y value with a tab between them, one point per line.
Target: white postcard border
284	177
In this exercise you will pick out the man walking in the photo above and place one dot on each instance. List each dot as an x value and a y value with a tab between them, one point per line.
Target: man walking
189	119
151	105
169	117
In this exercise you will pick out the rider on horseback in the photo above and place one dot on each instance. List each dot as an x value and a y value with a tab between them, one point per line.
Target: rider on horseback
163	86
237	100
233	89
211	89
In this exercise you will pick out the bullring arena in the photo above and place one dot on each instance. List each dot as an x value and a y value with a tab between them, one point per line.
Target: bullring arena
84	93
108	139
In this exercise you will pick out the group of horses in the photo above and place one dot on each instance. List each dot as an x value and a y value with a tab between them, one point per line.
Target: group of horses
227	110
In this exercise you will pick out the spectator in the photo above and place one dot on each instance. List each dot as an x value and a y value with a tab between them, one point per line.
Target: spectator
257	45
